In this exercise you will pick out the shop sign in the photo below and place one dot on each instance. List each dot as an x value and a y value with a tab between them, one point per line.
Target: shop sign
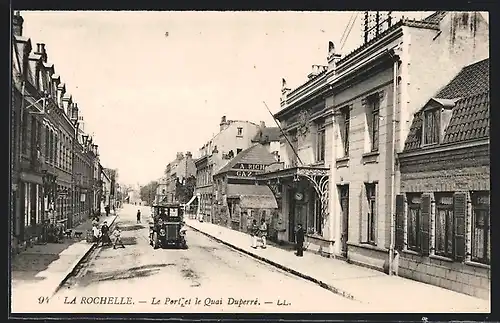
254	167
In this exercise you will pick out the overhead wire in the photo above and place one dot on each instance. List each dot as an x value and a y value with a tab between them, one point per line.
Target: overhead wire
346	27
349	32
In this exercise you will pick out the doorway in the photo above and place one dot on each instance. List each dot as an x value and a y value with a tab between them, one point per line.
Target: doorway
291	216
344	209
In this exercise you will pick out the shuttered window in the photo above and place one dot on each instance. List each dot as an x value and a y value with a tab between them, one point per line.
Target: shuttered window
481	251
414	221
444	225
425	224
460	212
400	222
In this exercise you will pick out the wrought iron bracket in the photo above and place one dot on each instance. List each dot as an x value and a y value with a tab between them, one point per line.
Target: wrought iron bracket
320	183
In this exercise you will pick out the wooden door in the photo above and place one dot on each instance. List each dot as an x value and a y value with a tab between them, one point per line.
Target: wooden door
344	207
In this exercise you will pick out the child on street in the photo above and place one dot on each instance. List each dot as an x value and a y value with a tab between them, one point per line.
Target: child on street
118	237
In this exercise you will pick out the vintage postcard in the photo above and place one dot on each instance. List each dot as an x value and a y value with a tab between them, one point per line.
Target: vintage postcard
250	162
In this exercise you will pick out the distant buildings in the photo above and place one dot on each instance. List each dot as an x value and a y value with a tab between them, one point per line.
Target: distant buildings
234	136
177	173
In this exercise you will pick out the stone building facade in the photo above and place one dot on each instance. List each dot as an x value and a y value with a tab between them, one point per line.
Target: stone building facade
43	142
233	137
177	173
237	200
443	211
365	101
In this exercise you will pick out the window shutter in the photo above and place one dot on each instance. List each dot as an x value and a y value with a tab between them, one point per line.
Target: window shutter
400	222
459	214
425	224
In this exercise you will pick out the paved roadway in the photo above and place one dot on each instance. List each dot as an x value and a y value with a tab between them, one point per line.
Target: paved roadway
207	271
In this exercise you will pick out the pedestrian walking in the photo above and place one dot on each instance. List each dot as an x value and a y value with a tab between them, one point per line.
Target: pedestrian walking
117	234
106	209
263	233
138	216
105	234
299	239
254	233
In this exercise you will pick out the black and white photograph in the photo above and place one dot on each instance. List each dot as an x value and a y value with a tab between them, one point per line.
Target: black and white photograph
249	162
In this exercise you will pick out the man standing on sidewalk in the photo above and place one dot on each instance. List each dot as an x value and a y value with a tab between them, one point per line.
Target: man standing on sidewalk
138	216
299	240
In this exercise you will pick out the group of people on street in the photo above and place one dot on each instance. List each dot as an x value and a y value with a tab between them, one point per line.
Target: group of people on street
102	235
259	232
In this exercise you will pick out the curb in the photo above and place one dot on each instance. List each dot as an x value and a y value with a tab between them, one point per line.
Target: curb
73	267
322	284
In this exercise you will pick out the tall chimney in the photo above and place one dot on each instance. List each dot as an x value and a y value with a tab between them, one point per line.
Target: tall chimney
74	112
61	90
189	154
67	104
40	50
332	57
17	24
223	123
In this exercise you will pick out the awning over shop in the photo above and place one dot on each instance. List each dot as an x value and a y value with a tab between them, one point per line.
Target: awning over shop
258	202
252	196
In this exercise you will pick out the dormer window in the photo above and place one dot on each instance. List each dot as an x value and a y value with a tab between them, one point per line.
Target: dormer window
431	126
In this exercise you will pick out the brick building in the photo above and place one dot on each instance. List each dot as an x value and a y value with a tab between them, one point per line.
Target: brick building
237	200
233	137
443	211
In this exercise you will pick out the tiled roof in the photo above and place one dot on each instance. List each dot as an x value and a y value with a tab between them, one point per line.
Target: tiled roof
245	189
257	154
470	117
471	80
269	134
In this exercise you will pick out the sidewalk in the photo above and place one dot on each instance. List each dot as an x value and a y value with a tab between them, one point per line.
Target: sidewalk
380	292
42	268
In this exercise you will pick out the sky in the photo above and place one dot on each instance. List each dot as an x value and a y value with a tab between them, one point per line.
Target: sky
150	84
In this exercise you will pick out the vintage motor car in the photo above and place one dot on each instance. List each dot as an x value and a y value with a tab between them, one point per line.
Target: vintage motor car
167	228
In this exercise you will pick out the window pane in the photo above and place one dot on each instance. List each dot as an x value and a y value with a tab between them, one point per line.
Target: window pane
449	232
375	130
412	227
441	231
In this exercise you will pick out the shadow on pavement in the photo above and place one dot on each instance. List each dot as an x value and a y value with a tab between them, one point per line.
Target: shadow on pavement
132	227
92	277
26	265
